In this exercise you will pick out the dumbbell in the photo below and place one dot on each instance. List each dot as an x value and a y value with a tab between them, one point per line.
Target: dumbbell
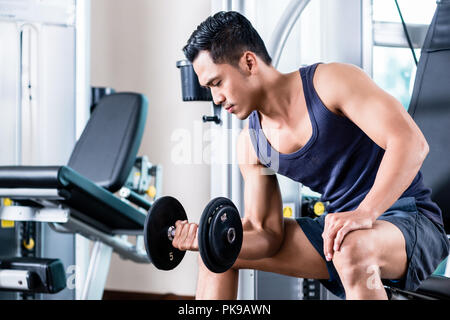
219	234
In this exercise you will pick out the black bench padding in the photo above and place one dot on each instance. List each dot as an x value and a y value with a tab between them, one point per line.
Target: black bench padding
29	177
95	205
436	286
99	166
107	148
430	107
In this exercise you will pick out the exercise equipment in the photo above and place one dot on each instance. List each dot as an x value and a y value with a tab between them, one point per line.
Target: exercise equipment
97	93
192	91
220	233
80	197
35	275
430	109
163	214
143	184
312	207
98	167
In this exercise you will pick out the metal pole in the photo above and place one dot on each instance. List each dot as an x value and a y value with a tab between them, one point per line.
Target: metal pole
123	248
284	27
97	272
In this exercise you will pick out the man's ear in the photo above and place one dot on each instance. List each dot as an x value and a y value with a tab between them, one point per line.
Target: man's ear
248	62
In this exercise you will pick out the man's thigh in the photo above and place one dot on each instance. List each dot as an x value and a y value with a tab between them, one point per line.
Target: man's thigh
297	257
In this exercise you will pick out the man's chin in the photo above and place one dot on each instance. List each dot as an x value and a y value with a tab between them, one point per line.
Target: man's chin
241	116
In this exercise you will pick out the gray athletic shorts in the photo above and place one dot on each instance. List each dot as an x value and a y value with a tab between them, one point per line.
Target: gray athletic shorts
426	245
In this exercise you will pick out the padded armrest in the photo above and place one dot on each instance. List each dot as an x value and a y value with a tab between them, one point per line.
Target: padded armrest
42	177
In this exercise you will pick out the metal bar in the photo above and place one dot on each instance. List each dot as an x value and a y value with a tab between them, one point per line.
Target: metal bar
14	279
237	183
124	248
135	198
29	193
18	135
82	85
158	181
391	34
398	294
367	36
97	272
284	27
227	5
19	213
238	5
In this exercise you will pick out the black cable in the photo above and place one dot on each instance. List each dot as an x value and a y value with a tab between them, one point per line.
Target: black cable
406	33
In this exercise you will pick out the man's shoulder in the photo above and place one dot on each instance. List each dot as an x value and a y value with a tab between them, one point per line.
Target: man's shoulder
336	67
333	83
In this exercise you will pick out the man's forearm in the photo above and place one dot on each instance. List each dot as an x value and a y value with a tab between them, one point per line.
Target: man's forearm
400	164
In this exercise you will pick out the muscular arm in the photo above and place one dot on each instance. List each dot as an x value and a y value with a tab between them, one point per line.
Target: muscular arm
349	91
263	220
387	123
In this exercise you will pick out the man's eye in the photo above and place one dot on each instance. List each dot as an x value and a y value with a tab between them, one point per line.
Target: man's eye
217	83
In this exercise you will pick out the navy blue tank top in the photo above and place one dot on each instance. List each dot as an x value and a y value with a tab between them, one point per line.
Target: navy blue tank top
339	161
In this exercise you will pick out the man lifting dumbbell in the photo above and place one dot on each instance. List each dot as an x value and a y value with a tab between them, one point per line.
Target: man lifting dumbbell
327	126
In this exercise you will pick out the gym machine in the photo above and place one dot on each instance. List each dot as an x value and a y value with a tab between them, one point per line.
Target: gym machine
79	197
44	85
430	109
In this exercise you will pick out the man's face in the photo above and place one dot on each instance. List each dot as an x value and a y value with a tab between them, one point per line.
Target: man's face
230	85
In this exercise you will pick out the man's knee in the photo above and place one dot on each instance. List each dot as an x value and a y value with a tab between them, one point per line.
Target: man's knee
356	258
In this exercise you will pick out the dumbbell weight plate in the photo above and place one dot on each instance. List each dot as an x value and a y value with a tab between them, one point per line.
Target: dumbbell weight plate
163	214
203	233
216	251
225	236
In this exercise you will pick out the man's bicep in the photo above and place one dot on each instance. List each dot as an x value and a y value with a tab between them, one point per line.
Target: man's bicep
262	197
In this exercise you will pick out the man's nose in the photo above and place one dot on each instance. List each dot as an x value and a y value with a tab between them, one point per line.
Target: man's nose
218	98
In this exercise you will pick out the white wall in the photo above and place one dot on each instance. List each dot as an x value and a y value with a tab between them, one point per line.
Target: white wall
134	47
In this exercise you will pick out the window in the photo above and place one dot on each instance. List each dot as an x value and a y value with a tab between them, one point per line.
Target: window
392	61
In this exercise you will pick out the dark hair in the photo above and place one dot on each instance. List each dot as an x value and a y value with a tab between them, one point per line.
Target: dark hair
226	35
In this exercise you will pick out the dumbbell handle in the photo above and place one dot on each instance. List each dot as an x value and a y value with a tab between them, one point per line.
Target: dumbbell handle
231	234
171	232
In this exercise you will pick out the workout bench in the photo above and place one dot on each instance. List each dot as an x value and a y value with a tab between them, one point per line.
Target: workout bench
79	197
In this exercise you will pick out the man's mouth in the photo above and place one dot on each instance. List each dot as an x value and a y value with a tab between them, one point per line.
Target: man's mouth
229	108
